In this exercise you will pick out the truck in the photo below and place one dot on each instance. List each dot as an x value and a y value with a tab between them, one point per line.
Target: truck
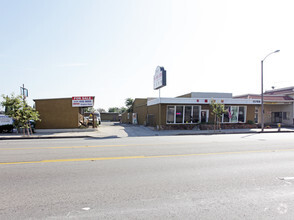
6	124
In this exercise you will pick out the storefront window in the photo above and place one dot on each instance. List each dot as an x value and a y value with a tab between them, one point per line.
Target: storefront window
179	114
234	114
170	114
277	117
188	114
196	113
286	115
241	115
227	115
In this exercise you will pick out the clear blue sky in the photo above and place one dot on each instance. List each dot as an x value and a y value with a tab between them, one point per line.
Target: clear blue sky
111	48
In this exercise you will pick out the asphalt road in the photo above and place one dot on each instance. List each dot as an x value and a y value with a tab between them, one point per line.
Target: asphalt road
247	176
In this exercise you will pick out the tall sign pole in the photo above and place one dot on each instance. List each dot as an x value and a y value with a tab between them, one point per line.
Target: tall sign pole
159	81
24	92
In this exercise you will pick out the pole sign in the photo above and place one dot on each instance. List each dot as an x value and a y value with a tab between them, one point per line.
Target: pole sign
83	101
24	92
159	79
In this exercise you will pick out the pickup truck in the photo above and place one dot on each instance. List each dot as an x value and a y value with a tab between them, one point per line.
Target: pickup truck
6	124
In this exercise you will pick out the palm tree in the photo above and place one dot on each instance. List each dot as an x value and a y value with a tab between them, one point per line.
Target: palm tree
129	103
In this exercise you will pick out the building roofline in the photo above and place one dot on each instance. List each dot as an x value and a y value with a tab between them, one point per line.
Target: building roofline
280	89
200	101
267	95
51	99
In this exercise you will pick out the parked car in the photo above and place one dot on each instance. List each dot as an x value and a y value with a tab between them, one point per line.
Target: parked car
33	125
6	124
89	119
97	115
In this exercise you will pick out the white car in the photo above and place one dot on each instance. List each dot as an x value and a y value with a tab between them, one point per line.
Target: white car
98	118
89	119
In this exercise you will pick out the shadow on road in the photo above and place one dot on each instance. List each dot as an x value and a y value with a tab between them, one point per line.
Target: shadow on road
103	138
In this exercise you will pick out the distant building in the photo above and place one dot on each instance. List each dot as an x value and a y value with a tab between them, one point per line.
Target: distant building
110	116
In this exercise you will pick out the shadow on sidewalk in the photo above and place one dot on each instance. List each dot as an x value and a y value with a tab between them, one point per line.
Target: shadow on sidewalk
136	130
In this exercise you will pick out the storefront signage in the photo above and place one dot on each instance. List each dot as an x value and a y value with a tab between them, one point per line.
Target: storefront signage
159	79
83	101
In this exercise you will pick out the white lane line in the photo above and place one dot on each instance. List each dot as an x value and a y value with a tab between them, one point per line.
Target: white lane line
286	178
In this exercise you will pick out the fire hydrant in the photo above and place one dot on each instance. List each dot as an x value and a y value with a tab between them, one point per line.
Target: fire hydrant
279	126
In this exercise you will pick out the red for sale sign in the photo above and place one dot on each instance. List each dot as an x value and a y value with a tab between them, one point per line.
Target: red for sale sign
83	101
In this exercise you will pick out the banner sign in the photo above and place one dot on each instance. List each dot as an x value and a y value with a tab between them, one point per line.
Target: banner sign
159	79
83	101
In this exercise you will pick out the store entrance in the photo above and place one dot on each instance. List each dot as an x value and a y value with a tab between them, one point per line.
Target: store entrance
204	116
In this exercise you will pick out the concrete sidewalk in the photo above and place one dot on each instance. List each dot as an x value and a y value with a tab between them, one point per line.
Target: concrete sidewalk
116	130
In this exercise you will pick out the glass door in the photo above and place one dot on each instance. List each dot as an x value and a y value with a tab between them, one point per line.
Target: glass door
204	116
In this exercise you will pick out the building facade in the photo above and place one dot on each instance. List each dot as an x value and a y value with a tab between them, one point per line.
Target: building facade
190	110
278	106
59	113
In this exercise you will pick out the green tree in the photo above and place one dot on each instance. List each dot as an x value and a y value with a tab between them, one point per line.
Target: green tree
217	110
129	104
19	111
113	109
117	109
122	109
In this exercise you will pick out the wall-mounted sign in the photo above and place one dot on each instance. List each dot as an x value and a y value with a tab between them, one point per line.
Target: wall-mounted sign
135	120
159	79
83	101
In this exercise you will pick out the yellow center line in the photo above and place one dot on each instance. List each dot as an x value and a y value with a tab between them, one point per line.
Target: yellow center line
142	157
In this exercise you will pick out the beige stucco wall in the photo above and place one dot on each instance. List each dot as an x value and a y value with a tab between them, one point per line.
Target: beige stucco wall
105	116
269	108
57	113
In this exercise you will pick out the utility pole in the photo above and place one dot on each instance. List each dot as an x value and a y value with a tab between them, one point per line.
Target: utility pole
262	98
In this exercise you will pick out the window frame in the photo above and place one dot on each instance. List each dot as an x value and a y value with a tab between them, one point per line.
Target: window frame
184	112
238	110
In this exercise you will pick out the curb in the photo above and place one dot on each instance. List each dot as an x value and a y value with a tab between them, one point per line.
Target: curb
42	137
244	132
158	135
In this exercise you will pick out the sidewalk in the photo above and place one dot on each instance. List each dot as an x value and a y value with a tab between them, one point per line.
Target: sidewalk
116	130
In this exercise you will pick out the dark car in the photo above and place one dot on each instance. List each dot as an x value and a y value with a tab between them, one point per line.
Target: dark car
6	124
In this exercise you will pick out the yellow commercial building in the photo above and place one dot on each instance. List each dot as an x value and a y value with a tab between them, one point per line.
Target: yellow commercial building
62	112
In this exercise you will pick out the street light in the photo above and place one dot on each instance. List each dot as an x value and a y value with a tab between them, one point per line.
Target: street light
262	107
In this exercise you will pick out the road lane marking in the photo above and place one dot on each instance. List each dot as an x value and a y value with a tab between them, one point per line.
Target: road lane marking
142	157
286	178
75	160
